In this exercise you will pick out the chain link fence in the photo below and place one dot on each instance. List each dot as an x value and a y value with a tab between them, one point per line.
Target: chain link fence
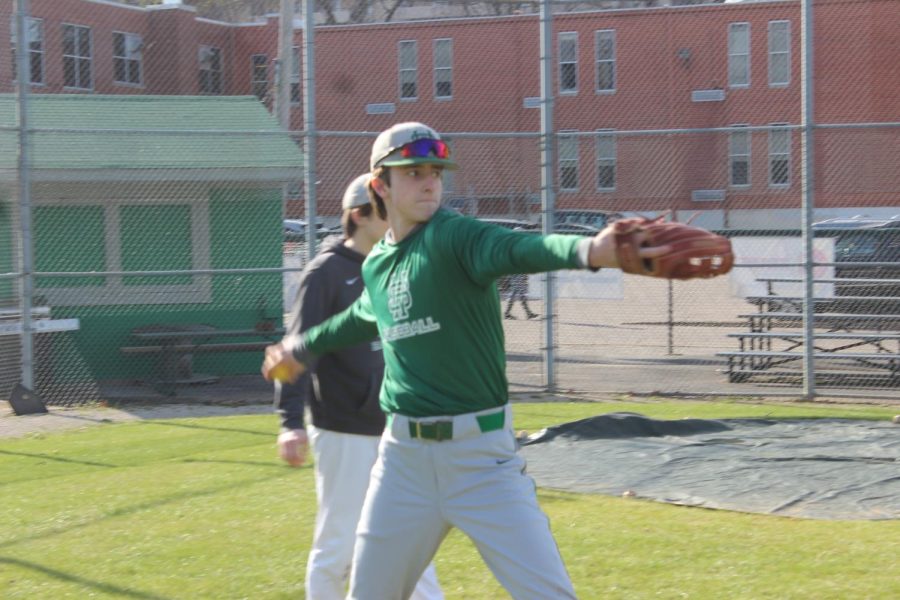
155	229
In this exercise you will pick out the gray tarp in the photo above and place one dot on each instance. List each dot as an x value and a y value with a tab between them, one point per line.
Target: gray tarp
813	468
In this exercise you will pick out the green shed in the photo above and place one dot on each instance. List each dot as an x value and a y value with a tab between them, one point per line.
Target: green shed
161	207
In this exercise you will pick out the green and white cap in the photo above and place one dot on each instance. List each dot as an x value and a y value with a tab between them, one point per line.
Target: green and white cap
386	151
356	194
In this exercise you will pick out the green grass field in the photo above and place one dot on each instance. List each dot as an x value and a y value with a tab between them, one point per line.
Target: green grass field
201	508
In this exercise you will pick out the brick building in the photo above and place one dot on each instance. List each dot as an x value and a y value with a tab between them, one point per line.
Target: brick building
617	73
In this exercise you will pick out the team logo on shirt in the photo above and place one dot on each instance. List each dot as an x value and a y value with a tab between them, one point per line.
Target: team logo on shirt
399	302
399	298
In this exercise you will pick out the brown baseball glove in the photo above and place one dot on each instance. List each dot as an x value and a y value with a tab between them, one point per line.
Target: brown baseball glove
694	252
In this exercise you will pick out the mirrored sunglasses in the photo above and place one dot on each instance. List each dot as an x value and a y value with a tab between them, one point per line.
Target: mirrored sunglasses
424	148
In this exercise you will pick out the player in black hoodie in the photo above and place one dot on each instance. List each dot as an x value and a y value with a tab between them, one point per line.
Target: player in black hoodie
341	390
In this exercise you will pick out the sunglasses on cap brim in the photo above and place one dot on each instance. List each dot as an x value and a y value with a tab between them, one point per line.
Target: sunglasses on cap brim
424	148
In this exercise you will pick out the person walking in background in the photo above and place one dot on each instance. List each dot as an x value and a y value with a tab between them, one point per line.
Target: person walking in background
518	290
341	390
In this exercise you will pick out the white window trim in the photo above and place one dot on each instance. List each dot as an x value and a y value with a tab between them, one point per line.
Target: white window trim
253	79
436	68
598	60
79	57
115	292
14	48
567	35
731	28
605	133
401	69
140	60
296	59
559	160
733	155
221	71
787	52
780	127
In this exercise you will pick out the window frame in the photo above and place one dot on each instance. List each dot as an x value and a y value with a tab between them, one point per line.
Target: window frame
401	69
567	36
786	52
295	91
440	69
603	134
139	60
115	291
220	72
734	55
77	58
32	53
565	135
255	81
733	156
598	61
781	129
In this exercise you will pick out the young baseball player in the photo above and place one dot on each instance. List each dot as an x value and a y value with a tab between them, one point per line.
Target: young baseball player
341	389
448	454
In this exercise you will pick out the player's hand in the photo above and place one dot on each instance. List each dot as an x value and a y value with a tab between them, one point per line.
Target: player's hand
292	446
280	365
603	249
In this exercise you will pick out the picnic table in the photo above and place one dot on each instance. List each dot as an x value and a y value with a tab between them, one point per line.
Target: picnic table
174	346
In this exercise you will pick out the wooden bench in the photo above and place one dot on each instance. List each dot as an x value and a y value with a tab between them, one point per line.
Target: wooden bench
175	346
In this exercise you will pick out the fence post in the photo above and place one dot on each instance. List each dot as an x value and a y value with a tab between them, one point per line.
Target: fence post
547	196
309	126
26	266
807	183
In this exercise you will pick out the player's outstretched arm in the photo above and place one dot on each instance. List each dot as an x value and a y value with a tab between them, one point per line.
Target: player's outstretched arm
279	364
603	250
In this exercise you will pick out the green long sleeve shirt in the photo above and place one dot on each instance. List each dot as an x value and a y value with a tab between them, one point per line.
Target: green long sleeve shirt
432	297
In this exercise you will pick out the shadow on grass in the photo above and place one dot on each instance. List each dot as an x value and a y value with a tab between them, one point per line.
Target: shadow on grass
107	588
57	459
129	510
209	428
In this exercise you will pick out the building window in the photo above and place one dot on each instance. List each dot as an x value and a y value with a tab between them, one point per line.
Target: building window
779	53
568	162
605	54
122	236
606	160
259	75
408	63
35	35
739	55
127	56
779	155
739	157
443	68
295	75
568	62
210	60
77	57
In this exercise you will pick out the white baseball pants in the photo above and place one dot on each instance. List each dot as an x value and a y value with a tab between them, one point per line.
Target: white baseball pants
343	463
475	481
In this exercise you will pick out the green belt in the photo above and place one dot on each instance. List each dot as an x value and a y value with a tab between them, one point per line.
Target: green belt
442	429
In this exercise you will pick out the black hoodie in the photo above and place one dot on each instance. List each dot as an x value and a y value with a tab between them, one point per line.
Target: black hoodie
341	388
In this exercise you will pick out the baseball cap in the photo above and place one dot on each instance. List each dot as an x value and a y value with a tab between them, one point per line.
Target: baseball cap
356	193
410	143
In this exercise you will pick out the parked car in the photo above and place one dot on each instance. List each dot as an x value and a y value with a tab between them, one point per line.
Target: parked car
598	219
294	230
862	240
515	224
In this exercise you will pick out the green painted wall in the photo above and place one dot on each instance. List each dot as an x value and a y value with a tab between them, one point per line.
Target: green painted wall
244	232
